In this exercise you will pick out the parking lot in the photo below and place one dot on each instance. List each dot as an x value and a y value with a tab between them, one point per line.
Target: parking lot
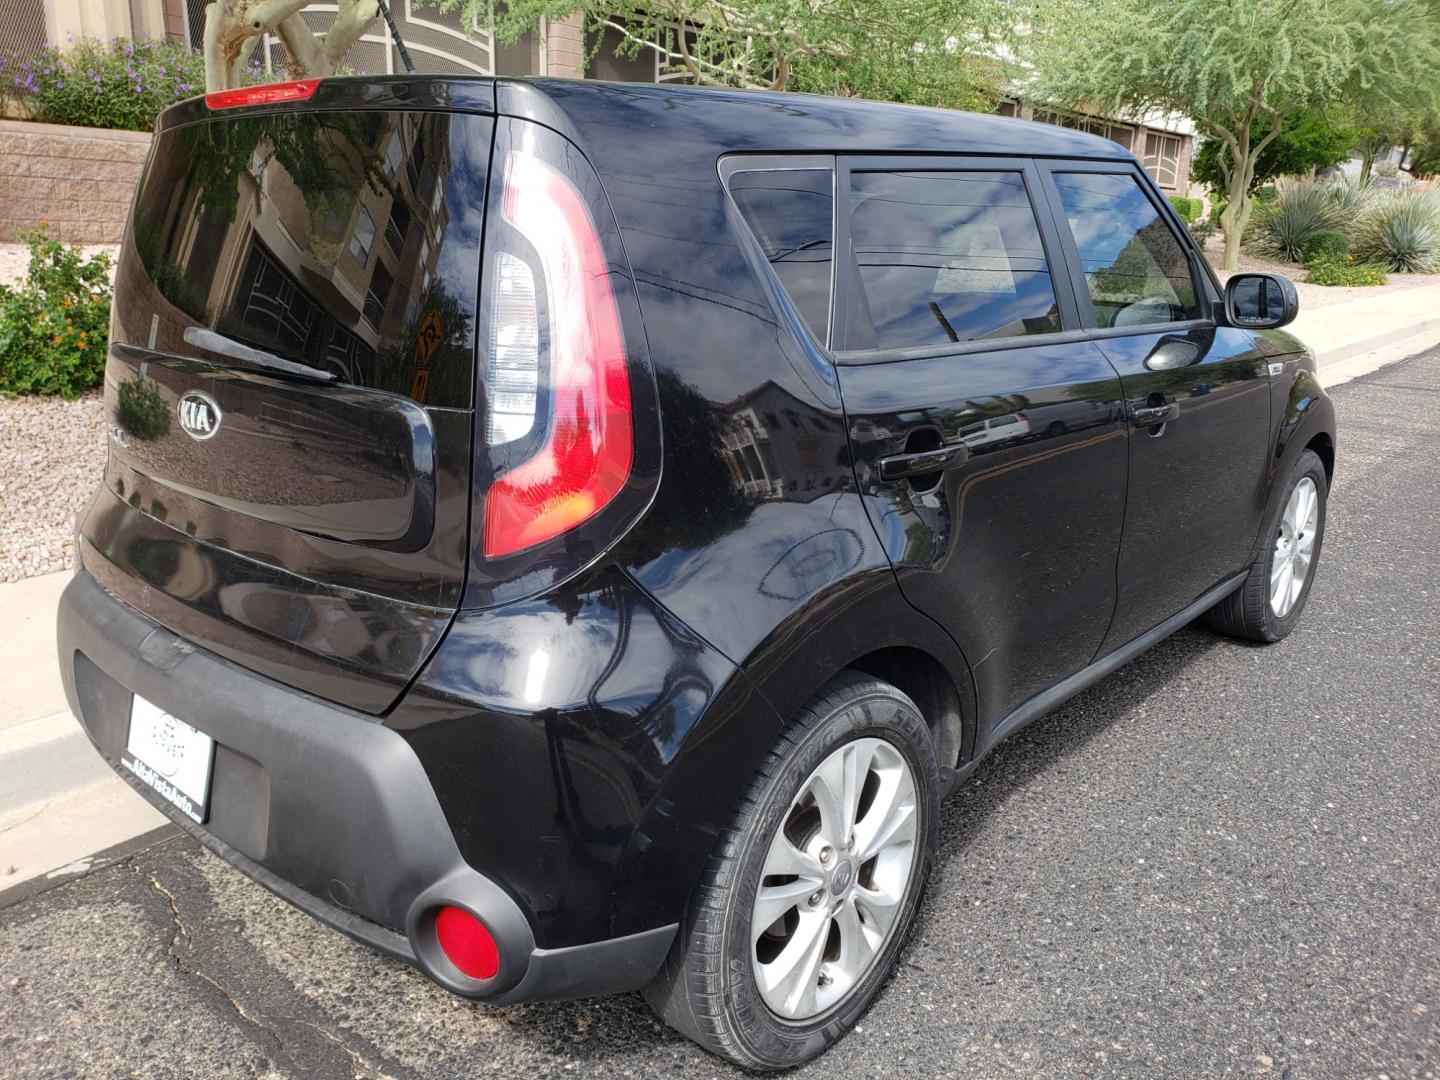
1221	861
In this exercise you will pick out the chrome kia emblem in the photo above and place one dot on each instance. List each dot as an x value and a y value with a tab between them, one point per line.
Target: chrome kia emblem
199	414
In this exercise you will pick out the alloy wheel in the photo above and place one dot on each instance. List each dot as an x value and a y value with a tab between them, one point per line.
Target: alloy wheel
1294	547
834	879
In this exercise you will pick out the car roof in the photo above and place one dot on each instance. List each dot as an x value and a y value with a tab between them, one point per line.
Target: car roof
761	120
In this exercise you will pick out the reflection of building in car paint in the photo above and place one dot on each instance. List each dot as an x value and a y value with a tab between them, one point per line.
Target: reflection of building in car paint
770	437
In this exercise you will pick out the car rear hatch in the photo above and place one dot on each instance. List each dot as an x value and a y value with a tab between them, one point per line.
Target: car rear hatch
291	380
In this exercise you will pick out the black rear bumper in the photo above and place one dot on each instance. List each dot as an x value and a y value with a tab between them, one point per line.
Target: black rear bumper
322	805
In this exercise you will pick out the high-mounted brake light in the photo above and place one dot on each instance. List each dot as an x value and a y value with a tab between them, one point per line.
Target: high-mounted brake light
589	442
266	94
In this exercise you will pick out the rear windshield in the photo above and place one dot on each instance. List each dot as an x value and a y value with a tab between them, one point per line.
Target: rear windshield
346	242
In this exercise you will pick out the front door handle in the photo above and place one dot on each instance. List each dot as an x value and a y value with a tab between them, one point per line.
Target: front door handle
1158	409
899	466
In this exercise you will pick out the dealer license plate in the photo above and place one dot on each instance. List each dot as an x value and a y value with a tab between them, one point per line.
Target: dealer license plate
171	756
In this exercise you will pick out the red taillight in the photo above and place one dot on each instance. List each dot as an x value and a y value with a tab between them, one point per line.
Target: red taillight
268	94
466	943
586	457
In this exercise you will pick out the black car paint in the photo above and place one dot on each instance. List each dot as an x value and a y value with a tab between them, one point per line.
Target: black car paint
595	800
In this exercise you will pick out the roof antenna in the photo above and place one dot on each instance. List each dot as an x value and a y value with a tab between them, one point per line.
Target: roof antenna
399	41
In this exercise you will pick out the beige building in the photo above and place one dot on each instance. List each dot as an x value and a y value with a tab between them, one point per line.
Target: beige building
1165	144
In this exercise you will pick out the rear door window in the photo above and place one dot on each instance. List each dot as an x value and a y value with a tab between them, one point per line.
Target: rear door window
791	212
346	242
1136	271
945	257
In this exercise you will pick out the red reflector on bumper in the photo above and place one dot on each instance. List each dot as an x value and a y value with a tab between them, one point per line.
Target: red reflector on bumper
466	943
268	94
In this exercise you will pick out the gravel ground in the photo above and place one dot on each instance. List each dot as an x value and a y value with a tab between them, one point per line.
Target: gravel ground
1218	862
51	454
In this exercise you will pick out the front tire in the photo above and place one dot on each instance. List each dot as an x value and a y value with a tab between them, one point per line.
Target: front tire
1268	605
812	888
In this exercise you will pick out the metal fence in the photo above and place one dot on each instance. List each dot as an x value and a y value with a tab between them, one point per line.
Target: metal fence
22	26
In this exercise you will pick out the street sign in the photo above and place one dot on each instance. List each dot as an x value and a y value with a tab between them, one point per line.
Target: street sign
429	336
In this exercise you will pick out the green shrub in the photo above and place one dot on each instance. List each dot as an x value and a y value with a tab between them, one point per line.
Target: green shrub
54	326
1202	230
141	410
1401	231
1189	210
121	85
1331	243
1217	207
1283	226
1266	194
1343	270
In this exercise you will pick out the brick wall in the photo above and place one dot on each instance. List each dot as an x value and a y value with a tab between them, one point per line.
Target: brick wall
80	180
565	46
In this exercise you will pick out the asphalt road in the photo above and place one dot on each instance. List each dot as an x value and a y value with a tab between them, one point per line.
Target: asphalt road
1221	861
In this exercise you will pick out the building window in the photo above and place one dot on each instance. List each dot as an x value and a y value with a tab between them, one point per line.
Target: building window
378	293
397	226
1162	158
362	237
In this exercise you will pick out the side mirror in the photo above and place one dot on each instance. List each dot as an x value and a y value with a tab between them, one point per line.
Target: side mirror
1260	301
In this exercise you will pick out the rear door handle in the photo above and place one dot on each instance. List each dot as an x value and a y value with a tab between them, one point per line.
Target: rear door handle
899	466
1152	415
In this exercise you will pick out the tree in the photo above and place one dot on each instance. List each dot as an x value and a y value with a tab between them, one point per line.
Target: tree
233	28
1308	140
1240	68
935	52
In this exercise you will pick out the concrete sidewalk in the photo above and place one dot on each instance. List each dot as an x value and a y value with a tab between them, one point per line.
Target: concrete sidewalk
1359	336
59	803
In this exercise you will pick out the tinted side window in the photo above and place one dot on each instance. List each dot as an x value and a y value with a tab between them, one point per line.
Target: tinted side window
946	257
792	213
1135	268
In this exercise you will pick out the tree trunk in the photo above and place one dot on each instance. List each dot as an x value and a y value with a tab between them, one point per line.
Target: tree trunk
233	28
1236	214
1367	162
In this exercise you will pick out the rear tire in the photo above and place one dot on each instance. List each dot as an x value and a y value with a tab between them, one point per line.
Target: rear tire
1269	604
863	740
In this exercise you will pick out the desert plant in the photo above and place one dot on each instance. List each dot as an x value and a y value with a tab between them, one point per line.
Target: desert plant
1202	230
1349	196
1343	270
1401	231
1283	225
54	325
1328	243
1387	168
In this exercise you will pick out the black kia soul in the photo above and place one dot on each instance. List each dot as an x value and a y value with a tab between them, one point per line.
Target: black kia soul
570	536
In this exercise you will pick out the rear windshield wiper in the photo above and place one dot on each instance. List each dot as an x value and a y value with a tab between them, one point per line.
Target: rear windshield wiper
202	338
